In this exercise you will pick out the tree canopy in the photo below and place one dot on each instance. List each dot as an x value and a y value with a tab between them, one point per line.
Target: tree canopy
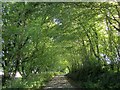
51	37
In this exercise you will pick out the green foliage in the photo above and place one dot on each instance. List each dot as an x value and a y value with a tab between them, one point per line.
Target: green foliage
57	37
32	81
104	81
93	75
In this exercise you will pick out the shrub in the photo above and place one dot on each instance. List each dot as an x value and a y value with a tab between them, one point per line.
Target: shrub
32	81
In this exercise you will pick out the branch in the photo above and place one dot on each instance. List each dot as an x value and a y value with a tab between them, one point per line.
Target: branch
112	24
25	41
23	44
114	18
27	58
118	11
114	27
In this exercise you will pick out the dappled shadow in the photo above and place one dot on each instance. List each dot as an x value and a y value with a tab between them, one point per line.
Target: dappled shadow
62	82
74	84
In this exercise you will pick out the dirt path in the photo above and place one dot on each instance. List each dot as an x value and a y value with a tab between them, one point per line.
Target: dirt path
60	82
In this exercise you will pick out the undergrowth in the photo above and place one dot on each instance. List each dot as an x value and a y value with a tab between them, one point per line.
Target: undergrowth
95	75
33	81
